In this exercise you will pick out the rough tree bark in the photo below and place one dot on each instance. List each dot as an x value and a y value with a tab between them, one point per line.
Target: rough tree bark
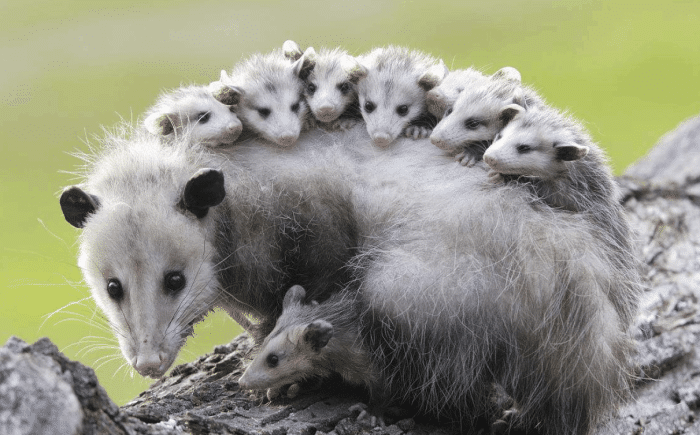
42	392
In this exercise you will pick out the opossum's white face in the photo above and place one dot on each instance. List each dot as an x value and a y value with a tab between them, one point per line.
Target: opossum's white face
443	97
389	103
202	118
329	89
151	273
531	149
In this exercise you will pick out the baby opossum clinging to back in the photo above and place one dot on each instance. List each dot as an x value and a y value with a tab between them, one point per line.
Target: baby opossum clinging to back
329	84
443	96
193	112
392	94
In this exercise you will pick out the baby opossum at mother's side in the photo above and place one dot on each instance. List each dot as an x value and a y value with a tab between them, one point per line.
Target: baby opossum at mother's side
392	94
171	231
443	96
479	113
330	84
193	112
552	155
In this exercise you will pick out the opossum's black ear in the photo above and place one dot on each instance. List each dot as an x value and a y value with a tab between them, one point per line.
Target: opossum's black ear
205	189
77	205
305	64
295	295
318	333
508	73
433	76
354	69
291	50
570	151
509	112
159	124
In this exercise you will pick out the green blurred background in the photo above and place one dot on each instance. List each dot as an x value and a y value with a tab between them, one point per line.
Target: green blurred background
630	70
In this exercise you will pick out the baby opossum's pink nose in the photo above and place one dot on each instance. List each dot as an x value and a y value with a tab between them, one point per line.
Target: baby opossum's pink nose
438	141
150	365
326	113
490	160
287	139
381	139
235	127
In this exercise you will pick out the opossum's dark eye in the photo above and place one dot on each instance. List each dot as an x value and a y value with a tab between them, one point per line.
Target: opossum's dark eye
448	111
174	281
272	360
344	87
203	117
264	112
311	88
402	110
295	107
370	106
472	123
498	137
114	289
522	148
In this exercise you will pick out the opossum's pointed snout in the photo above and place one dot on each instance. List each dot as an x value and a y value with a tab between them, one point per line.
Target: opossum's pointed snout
150	365
438	141
382	139
287	139
234	127
326	113
490	160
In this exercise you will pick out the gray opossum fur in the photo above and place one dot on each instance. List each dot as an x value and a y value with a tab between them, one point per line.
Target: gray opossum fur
452	295
477	115
268	96
552	155
330	86
443	96
193	112
392	93
312	341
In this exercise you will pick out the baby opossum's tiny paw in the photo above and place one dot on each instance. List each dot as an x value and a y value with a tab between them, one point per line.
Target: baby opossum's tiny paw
417	132
495	177
366	416
293	390
273	393
466	159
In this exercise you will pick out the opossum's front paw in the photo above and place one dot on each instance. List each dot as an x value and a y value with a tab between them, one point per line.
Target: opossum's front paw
417	132
374	418
290	392
465	158
495	177
273	393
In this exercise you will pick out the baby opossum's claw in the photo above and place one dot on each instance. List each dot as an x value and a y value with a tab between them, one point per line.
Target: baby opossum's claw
466	159
367	416
273	393
417	132
495	177
293	390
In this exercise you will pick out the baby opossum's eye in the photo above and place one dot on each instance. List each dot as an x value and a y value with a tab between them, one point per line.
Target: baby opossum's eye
114	289
174	281
272	360
264	112
203	117
498	137
369	107
448	111
522	148
295	107
402	110
344	87
311	88
472	123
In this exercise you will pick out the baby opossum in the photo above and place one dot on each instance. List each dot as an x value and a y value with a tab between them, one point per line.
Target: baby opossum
442	97
479	113
330	85
552	155
267	91
312	341
192	111
167	237
392	94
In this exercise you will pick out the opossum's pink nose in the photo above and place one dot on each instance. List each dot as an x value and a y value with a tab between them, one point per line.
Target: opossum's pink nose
150	365
438	141
235	127
287	139
326	113
381	139
490	160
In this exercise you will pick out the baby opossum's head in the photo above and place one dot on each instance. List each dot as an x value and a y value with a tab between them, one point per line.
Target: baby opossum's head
269	95
536	143
443	96
293	350
146	250
193	111
330	84
477	114
392	94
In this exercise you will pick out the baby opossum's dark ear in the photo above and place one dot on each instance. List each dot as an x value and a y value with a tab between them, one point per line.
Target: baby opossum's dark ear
508	73
77	205
295	295
354	69
317	334
509	112
305	64
433	76
291	50
570	151
205	189
159	124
